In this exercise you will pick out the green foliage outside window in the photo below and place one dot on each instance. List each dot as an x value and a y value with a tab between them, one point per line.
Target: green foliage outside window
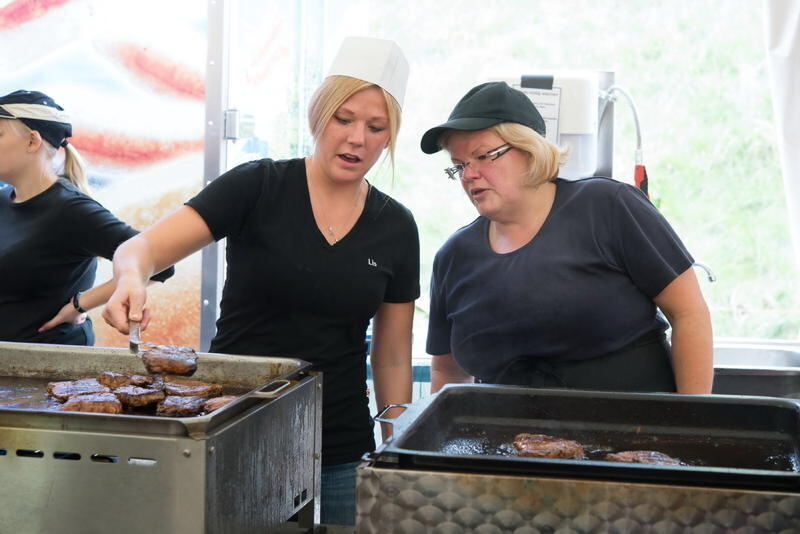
697	71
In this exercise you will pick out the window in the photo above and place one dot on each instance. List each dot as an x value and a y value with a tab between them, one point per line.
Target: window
698	75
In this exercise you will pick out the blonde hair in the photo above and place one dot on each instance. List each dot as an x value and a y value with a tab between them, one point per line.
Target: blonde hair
75	169
544	158
74	166
333	92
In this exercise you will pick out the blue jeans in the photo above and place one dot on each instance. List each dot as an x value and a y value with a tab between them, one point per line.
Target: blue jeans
338	499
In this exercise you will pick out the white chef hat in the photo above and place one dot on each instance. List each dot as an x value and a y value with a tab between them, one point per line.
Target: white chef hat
377	61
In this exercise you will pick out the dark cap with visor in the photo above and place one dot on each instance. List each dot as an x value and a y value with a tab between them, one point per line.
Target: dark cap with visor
38	112
483	107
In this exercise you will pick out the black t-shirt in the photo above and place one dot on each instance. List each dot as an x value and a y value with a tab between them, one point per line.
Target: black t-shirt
582	287
49	246
290	293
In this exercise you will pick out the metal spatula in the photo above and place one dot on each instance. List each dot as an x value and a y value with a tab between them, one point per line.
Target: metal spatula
133	336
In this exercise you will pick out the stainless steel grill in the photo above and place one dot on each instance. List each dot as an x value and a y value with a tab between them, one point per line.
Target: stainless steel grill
244	468
447	470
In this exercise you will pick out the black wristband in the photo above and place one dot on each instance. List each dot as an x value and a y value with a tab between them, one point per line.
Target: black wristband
76	302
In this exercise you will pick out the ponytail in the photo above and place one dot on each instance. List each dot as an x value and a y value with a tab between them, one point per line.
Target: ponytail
75	168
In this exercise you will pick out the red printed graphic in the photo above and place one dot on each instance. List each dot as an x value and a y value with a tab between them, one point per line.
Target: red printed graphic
160	72
21	11
125	151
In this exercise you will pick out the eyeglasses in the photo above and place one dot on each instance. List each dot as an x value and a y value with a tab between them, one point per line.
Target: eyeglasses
457	170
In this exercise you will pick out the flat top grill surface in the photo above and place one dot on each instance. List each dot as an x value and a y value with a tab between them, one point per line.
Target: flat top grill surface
722	440
26	368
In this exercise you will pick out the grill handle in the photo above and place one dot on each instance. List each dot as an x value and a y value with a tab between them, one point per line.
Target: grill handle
275	387
388	407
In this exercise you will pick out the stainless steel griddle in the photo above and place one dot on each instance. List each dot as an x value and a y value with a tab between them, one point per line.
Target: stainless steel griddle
244	468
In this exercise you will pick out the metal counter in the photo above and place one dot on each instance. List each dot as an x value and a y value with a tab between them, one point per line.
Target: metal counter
753	368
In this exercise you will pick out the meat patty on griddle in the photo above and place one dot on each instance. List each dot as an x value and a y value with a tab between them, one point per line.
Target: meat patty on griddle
117	380
68	388
218	402
642	457
170	359
191	388
136	397
175	406
543	446
93	402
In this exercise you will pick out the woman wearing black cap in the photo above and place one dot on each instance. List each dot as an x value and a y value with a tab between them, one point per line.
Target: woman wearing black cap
51	231
557	283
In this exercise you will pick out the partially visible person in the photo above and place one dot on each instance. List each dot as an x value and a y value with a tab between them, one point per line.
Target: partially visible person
51	230
557	283
314	251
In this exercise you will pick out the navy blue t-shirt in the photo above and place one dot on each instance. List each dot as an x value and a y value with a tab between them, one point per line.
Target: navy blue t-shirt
582	287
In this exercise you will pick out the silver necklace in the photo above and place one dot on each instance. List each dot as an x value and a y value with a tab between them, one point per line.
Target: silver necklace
333	237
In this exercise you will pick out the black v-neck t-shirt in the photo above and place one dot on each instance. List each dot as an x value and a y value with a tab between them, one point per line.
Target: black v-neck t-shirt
289	293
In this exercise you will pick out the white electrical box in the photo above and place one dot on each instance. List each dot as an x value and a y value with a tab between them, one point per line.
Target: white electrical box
569	102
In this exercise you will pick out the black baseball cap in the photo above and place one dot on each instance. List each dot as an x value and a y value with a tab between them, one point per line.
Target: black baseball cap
38	112
484	106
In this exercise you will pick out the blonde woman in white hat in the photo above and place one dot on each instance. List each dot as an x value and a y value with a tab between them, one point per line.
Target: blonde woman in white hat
314	253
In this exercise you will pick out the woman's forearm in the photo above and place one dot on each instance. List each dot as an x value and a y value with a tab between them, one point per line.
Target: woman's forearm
96	296
137	259
392	386
445	370
391	357
392	383
134	259
693	354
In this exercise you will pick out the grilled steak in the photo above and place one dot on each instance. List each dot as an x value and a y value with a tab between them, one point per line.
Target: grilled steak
66	389
170	359
137	397
175	406
642	457
117	380
543	446
191	388
218	402
93	402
